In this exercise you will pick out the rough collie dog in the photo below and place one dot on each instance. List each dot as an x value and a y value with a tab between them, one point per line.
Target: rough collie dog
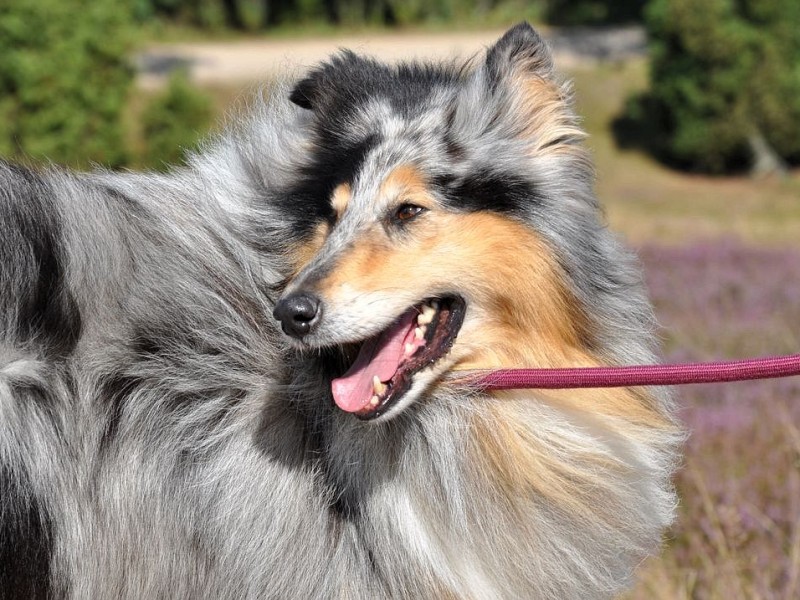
249	378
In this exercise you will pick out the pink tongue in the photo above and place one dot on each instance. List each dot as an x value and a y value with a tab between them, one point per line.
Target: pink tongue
379	356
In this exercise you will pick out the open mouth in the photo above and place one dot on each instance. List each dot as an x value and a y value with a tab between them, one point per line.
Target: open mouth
384	369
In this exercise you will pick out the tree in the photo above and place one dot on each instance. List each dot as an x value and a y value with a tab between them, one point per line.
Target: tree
278	12
593	12
174	122
64	80
724	83
233	16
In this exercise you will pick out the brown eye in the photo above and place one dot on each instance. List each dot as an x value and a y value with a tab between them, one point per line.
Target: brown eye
407	212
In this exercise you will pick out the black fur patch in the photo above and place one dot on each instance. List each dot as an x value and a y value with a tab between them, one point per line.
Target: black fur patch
25	540
454	150
309	201
340	88
338	92
36	304
489	191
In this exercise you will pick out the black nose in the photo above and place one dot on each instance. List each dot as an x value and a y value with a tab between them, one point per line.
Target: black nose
298	313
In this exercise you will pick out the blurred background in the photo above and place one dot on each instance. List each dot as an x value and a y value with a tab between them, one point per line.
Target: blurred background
693	110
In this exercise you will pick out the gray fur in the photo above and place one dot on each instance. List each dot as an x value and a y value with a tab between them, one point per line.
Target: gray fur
180	447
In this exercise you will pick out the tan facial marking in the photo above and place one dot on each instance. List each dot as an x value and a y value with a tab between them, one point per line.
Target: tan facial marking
340	198
404	177
499	265
531	317
307	250
406	184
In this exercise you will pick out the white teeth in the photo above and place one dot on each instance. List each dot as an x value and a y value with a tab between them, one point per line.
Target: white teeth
419	332
377	386
426	316
374	401
409	348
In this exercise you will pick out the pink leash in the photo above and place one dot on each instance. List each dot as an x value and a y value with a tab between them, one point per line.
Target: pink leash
606	377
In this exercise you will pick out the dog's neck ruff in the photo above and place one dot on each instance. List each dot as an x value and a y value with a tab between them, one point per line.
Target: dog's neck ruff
639	375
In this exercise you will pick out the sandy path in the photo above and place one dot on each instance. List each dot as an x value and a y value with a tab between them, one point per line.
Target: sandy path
239	62
231	63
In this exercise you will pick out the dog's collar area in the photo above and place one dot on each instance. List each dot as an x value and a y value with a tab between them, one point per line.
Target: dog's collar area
385	366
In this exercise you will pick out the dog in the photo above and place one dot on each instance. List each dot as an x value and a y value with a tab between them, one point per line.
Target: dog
250	377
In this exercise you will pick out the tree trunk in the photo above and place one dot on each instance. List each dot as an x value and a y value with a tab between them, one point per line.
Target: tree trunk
766	161
278	12
332	11
233	17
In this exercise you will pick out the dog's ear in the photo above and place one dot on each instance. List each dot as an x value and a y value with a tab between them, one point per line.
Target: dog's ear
343	71
520	51
304	93
516	93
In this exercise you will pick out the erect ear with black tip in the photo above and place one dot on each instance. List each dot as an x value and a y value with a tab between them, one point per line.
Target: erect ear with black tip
520	50
304	93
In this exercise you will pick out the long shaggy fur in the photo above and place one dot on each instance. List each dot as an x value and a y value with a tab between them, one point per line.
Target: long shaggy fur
161	437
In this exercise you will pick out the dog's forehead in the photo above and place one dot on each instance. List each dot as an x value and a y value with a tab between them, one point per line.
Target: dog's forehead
405	151
398	149
388	171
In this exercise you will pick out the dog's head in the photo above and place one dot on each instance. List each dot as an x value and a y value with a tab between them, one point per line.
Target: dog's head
436	219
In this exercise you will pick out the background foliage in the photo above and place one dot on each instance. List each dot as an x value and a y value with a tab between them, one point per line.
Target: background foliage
725	84
66	74
174	122
64	80
264	14
593	12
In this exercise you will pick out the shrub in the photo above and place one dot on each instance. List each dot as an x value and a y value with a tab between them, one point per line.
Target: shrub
593	12
174	122
724	83
64	80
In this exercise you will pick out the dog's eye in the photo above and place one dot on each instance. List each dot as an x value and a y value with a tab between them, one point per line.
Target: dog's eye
408	212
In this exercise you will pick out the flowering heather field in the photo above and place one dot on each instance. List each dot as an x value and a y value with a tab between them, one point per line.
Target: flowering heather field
738	533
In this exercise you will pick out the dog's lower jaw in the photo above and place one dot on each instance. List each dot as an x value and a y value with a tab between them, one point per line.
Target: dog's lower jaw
423	385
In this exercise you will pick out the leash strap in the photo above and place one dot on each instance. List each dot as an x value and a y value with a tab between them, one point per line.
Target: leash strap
608	377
